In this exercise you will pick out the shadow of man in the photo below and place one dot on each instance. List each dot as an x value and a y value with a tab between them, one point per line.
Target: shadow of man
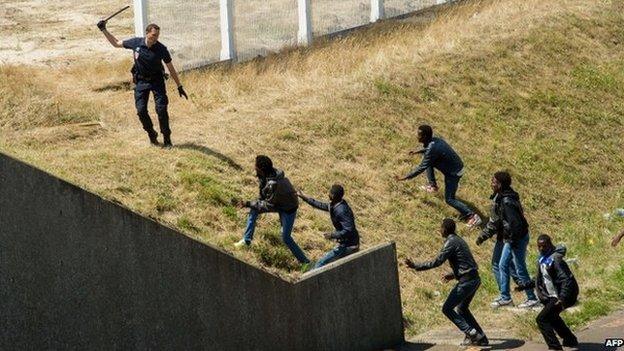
209	152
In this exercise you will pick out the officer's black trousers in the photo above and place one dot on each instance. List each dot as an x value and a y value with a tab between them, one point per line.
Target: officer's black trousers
549	322
141	97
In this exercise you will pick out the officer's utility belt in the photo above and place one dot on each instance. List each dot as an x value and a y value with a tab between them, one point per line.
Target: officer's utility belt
149	78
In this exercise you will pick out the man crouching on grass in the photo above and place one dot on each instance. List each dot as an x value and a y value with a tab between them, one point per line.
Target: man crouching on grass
466	271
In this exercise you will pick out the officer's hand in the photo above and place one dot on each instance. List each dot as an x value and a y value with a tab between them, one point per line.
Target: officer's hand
101	25
448	277
182	92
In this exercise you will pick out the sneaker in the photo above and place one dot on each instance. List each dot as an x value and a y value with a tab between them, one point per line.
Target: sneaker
529	304
474	221
477	338
429	188
501	303
241	243
467	341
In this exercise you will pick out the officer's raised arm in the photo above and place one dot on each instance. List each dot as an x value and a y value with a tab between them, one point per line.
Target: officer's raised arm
111	38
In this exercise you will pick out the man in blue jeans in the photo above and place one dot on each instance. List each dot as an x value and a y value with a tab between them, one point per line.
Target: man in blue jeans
276	195
466	271
343	220
511	228
439	154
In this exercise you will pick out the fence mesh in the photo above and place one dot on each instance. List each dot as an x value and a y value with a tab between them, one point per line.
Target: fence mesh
400	7
329	16
263	26
190	29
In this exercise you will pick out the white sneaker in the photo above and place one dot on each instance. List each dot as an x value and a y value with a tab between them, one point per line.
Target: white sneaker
501	303
529	304
474	221
241	243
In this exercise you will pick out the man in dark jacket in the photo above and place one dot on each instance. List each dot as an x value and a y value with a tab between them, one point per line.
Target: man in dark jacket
276	195
343	220
439	154
511	228
557	289
466	271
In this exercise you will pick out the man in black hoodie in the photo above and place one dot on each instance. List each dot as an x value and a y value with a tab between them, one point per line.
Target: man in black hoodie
557	289
276	195
343	220
466	271
511	228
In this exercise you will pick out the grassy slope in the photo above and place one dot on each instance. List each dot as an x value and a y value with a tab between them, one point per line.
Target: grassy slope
535	88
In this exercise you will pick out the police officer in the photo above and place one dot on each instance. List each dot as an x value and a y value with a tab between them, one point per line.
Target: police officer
149	75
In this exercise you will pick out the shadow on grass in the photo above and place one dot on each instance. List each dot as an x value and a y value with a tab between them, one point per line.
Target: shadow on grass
209	152
410	346
125	85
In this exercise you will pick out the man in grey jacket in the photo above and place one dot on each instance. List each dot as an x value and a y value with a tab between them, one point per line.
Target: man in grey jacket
466	271
276	195
439	154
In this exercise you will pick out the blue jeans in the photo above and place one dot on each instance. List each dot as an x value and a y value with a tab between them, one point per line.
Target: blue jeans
451	183
456	306
287	220
515	253
496	257
339	251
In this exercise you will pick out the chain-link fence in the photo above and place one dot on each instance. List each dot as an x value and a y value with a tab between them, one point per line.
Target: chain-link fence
201	32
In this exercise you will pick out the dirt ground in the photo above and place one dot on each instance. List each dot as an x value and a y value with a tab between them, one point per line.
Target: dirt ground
56	33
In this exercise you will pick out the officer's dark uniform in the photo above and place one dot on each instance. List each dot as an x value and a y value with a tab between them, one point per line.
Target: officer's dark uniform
148	72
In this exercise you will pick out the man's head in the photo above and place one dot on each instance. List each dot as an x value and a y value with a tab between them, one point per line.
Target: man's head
264	166
448	227
336	193
425	133
544	244
501	181
152	31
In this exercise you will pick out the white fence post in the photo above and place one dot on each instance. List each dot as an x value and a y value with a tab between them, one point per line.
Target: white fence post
304	36
228	51
140	17
377	10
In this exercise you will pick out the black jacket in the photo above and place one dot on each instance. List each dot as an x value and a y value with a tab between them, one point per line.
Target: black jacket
276	194
507	219
563	280
457	252
342	218
439	154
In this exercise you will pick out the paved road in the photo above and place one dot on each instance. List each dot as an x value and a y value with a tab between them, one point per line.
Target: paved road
591	338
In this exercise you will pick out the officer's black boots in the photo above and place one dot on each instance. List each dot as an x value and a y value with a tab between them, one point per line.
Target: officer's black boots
167	141
153	136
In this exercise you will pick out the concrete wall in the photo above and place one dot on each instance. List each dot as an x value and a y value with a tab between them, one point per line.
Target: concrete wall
80	272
